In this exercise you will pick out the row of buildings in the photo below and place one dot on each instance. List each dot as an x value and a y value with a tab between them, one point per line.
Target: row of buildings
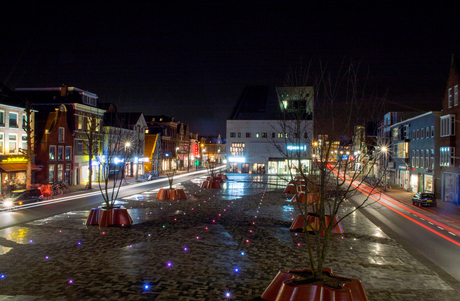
68	124
419	148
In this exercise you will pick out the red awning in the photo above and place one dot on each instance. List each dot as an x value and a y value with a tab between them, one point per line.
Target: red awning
17	167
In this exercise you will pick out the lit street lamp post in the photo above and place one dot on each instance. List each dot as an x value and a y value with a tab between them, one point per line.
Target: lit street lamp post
384	150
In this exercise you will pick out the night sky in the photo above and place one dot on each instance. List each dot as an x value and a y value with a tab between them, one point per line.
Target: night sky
192	60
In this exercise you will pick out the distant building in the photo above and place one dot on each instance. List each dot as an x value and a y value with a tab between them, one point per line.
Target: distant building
449	131
81	108
13	140
261	134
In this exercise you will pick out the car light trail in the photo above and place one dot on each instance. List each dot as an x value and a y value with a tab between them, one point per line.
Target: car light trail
405	207
61	199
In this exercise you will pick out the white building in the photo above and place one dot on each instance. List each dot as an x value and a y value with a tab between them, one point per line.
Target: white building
269	128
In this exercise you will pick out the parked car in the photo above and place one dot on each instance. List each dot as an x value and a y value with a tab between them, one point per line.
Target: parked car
21	197
424	199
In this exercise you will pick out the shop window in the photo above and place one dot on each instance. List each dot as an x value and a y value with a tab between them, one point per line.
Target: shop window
52	152
13	144
60	155
61	134
13	120
68	152
51	174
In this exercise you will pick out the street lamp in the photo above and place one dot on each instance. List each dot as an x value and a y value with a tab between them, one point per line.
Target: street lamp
384	150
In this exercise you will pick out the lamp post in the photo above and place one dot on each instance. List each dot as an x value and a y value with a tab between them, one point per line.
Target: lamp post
127	146
384	150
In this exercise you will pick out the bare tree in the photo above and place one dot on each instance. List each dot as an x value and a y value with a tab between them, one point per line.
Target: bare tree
92	143
322	109
29	152
112	164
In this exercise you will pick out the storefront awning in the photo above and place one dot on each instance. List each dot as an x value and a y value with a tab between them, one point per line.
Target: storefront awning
10	167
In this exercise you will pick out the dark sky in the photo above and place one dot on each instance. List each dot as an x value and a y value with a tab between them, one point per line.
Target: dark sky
192	60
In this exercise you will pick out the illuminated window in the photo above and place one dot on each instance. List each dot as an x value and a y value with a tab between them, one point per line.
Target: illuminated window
456	95
80	122
257	135
248	135
264	135
1	143
13	120
239	135
52	152
12	144
24	142
51	174
449	97
68	152
61	134
60	155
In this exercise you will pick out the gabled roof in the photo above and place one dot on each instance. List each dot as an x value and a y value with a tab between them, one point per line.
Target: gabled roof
55	95
123	120
257	103
10	98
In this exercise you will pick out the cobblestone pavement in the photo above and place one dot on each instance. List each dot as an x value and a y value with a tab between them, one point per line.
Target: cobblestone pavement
217	241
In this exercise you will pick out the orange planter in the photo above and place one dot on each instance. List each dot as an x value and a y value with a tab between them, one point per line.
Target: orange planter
94	217
284	288
215	184
116	216
313	224
223	176
171	194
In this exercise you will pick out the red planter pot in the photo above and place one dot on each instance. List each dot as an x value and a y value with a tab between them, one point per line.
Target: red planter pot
313	223
223	176
117	216
283	288
94	217
171	194
211	184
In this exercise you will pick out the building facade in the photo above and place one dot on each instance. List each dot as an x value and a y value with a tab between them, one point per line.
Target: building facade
262	136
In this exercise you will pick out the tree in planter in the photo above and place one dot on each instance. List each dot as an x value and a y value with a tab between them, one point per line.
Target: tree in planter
112	169
312	127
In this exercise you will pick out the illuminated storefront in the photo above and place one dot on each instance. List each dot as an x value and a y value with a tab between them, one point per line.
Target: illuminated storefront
13	171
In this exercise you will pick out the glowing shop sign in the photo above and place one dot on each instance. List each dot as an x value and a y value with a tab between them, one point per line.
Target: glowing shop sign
15	160
237	159
297	147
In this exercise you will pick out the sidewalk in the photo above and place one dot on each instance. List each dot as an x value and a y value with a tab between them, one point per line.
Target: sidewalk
448	211
217	241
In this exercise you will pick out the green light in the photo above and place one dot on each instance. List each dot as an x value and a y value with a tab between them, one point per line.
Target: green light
164	226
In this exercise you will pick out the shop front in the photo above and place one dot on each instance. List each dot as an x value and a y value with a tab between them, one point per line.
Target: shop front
13	173
284	166
450	187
